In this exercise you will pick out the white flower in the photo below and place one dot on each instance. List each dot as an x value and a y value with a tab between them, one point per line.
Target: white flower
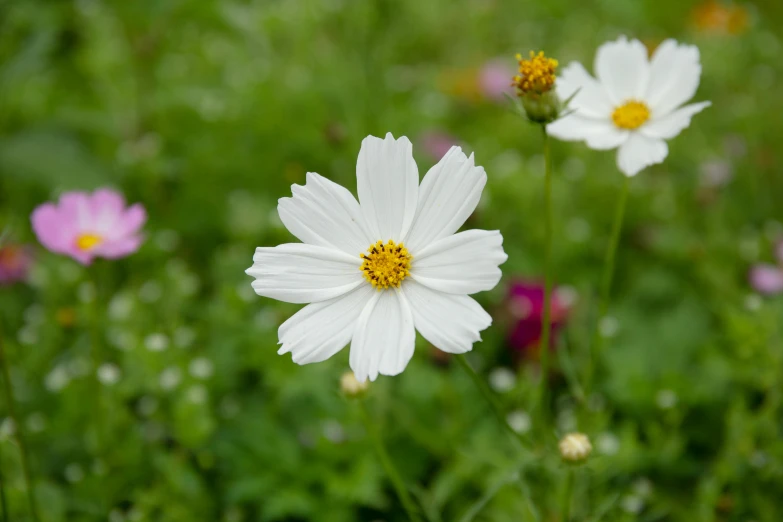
376	270
635	104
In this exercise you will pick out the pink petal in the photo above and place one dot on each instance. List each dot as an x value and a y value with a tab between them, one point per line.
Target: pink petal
50	228
130	222
766	279
119	248
75	210
106	208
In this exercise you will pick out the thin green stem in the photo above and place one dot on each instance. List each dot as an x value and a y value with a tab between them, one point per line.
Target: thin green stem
568	494
545	317
3	503
489	396
596	344
95	355
19	431
399	486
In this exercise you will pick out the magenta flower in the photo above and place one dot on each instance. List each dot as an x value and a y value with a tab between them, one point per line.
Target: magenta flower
525	303
85	226
15	262
495	80
766	278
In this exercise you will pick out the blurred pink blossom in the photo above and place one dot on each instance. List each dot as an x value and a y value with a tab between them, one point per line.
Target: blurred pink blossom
766	278
495	80
525	304
15	262
437	143
85	226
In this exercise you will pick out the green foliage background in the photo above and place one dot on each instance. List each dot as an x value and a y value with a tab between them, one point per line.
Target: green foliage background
207	111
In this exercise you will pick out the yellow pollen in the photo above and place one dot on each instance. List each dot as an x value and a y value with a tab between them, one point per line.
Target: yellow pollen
386	265
88	241
631	115
536	75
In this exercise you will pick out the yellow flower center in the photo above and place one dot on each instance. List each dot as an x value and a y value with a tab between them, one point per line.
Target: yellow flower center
536	74
88	241
386	265
631	115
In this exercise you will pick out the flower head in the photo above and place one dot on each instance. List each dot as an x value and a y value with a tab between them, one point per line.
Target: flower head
377	270
634	105
575	448
525	303
536	74
15	263
720	18
766	278
535	87
85	226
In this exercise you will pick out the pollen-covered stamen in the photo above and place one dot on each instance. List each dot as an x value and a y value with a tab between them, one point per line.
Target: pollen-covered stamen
88	241
631	115
386	265
536	75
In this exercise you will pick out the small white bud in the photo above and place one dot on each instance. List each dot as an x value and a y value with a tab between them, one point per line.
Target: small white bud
575	447
351	387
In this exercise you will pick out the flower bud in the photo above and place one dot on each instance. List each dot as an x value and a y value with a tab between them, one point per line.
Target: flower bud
535	84
575	448
351	387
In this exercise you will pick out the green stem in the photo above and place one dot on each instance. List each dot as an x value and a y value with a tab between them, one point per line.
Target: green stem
568	493
95	355
596	345
19	432
3	503
399	486
490	398
545	317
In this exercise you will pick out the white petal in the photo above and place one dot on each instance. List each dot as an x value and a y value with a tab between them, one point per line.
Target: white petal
323	213
388	183
591	97
598	134
384	338
448	195
320	330
675	71
673	123
450	322
623	69
464	263
298	273
640	152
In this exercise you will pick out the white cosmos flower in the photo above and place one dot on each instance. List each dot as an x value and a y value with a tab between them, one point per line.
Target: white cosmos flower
634	104
376	270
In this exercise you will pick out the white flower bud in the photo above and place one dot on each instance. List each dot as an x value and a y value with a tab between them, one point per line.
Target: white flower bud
351	387
575	447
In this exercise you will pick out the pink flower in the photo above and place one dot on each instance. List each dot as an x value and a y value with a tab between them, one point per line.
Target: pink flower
15	262
436	143
495	80
85	226
525	304
766	278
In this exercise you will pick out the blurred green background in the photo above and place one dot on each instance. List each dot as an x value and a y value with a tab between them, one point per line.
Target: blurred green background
207	111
